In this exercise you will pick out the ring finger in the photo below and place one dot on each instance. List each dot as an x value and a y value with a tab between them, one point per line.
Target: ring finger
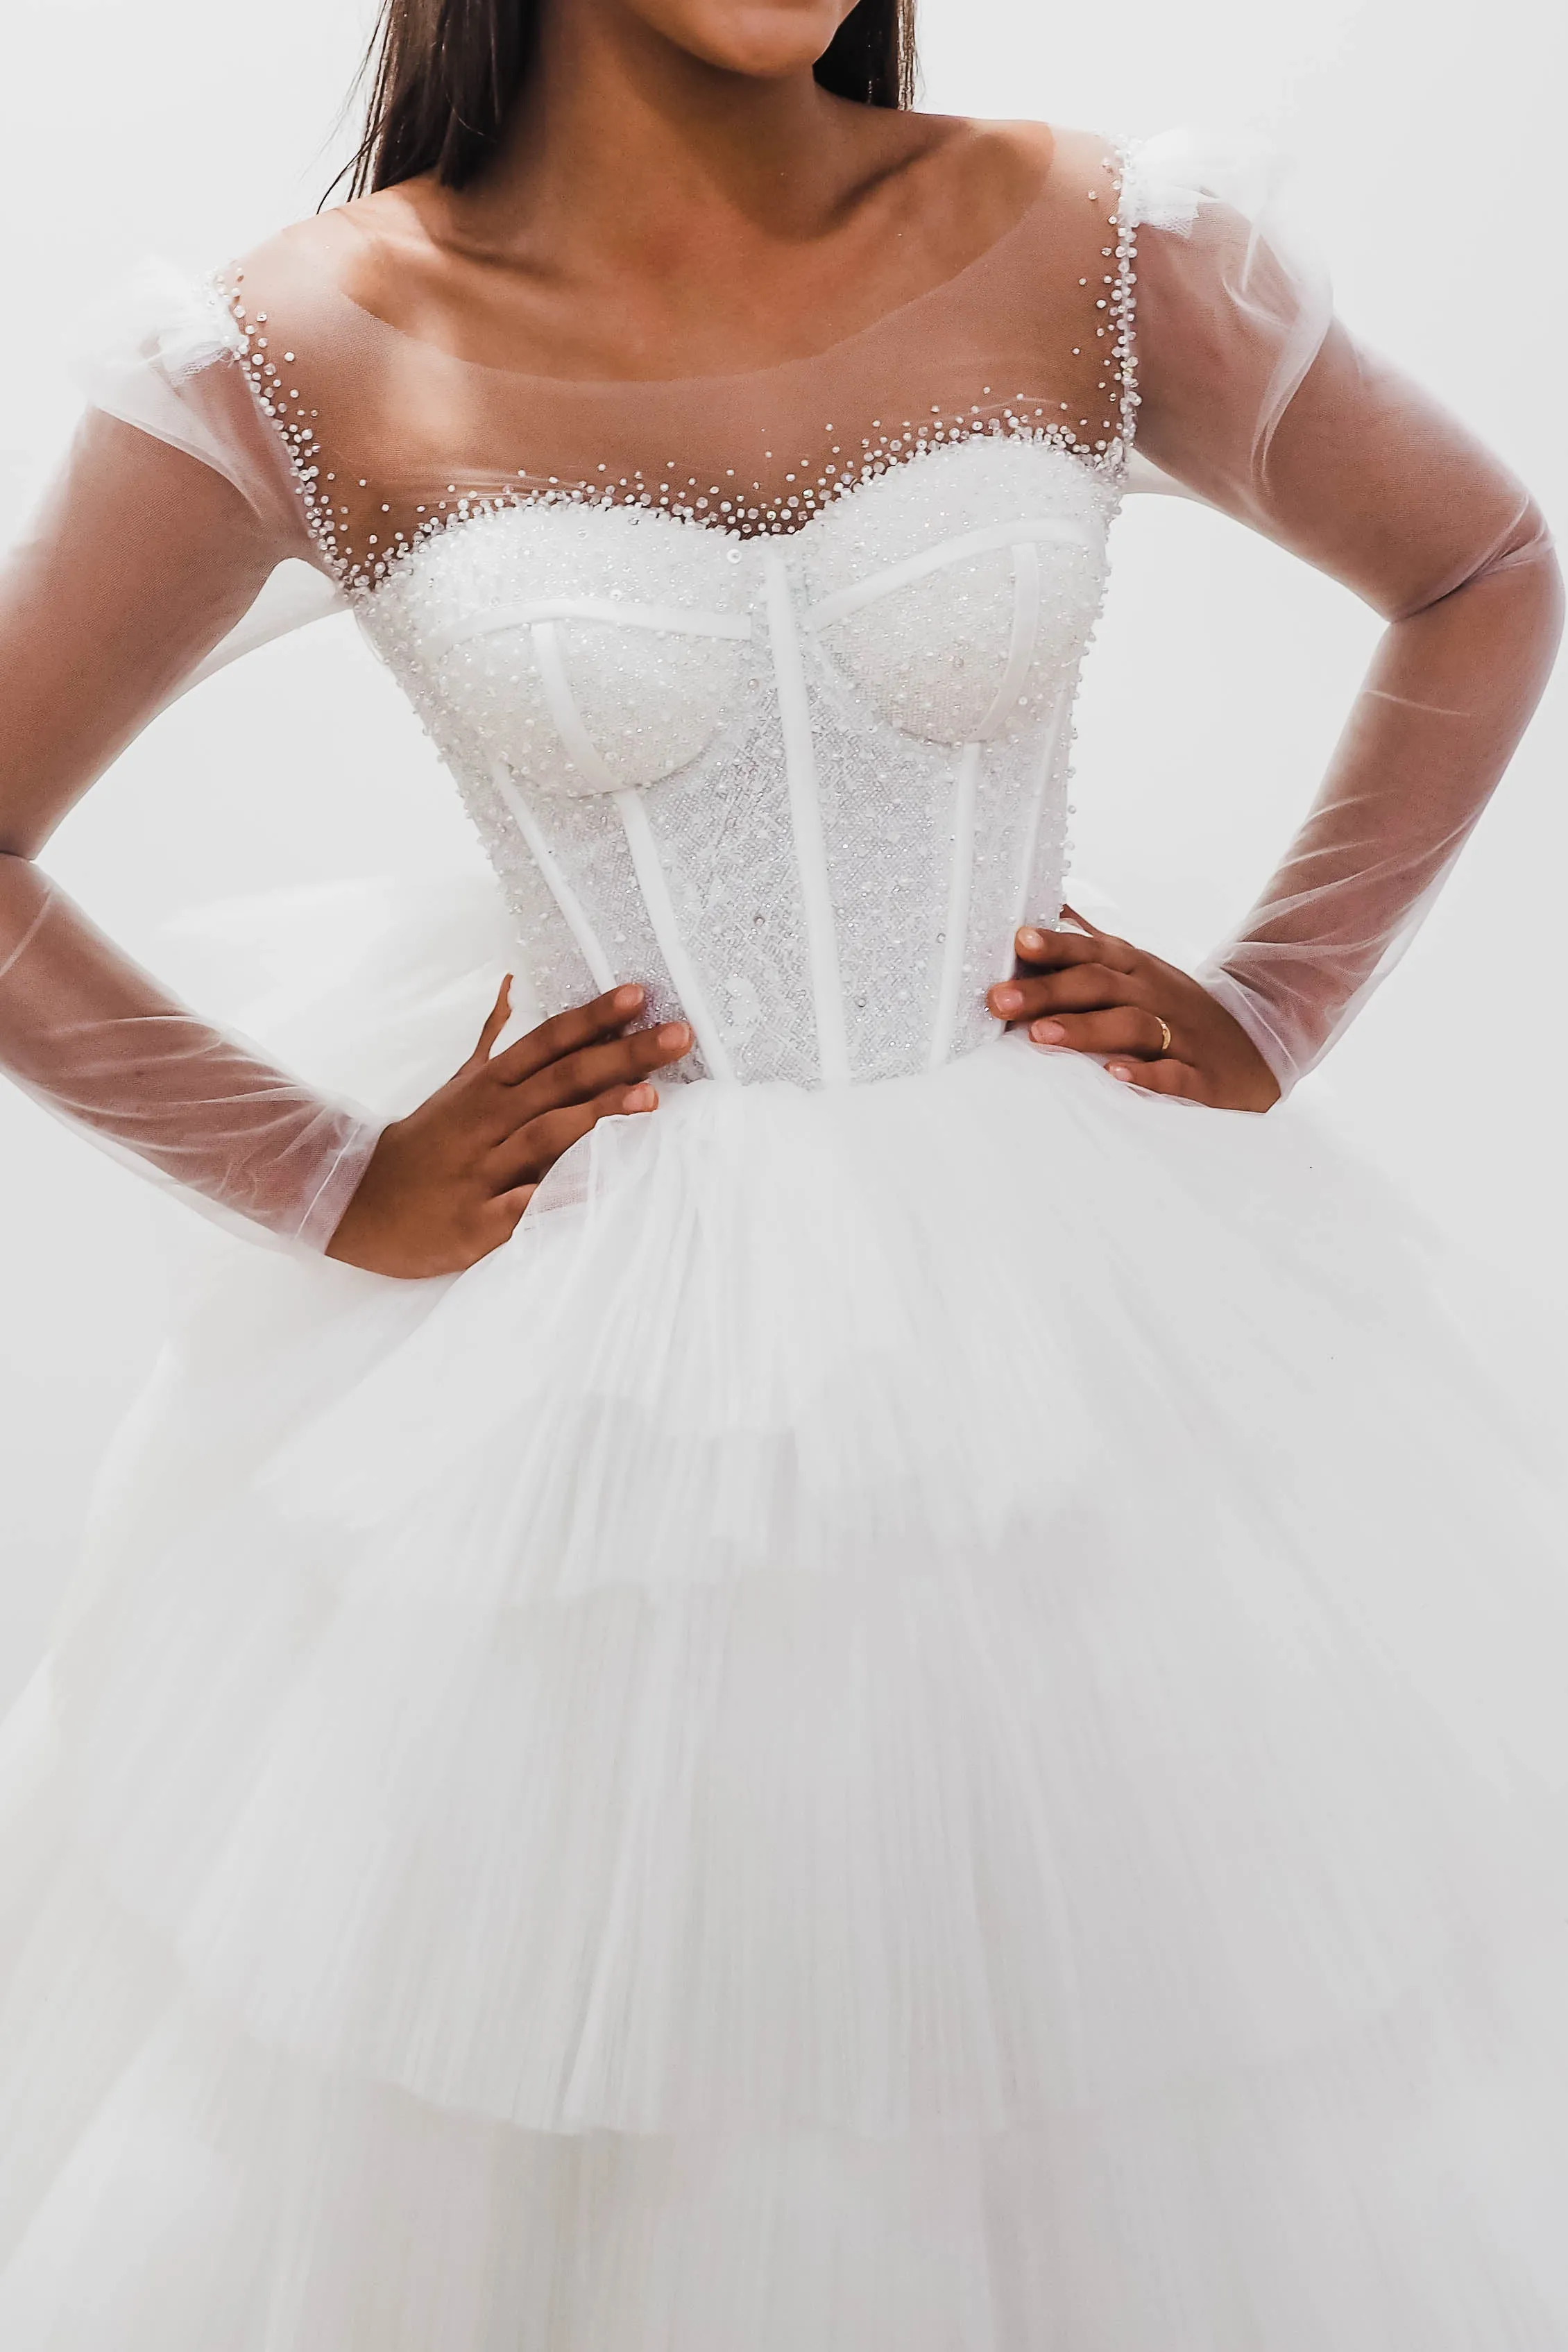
1124	1029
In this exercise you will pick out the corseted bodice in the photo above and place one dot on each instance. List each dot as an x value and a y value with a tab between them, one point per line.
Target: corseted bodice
803	786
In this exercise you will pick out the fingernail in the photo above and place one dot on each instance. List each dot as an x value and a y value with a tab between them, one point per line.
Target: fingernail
1047	1033
1119	1069
1007	1000
627	999
641	1098
675	1034
1030	939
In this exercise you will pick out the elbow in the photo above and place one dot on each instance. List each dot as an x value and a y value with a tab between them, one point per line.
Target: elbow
26	821
1521	552
1529	550
1554	594
1530	572
25	897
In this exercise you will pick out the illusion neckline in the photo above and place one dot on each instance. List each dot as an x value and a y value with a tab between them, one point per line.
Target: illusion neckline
604	386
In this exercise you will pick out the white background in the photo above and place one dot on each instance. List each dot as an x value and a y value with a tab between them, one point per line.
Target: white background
1427	135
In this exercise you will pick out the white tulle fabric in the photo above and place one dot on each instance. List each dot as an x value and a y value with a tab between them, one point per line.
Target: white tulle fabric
646	1797
928	1716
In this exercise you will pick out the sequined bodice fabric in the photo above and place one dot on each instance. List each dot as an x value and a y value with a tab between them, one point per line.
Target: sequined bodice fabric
803	786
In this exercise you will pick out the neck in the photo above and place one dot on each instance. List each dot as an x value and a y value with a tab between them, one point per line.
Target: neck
629	145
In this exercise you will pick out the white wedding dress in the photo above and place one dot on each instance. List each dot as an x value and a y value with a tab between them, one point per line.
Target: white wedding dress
928	1718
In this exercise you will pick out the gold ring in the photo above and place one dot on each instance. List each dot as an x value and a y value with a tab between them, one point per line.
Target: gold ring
1164	1037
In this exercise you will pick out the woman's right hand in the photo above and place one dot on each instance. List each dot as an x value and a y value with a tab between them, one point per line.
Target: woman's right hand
447	1184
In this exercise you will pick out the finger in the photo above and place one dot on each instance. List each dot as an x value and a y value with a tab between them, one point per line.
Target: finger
1027	999
498	1220
567	1033
1125	1029
1047	949
496	1020
528	1157
1094	929
1078	988
578	1077
533	1150
1166	1078
1060	951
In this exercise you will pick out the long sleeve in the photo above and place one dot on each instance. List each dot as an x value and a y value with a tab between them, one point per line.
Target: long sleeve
1255	398
170	514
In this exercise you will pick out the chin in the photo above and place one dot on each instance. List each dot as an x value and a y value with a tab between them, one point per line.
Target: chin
763	38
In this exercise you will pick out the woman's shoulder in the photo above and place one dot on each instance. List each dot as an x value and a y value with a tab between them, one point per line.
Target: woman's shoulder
1007	165
1165	178
1039	196
354	251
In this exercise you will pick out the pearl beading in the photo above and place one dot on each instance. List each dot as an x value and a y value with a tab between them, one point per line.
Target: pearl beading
798	492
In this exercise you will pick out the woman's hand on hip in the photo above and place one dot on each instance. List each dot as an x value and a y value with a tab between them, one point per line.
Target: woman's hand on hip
447	1184
1155	1027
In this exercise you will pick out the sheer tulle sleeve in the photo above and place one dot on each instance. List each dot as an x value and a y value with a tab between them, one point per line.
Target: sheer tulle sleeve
1255	398
170	514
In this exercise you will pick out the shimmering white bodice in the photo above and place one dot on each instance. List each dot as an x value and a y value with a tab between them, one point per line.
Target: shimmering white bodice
803	785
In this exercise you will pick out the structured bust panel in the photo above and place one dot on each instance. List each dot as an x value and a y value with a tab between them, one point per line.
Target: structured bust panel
803	787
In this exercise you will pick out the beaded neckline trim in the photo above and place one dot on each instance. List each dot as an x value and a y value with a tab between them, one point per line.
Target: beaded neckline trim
726	507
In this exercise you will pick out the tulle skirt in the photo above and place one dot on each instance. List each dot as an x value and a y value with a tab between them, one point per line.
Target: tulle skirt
927	1719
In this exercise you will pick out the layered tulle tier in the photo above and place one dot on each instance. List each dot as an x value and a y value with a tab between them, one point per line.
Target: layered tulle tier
926	1720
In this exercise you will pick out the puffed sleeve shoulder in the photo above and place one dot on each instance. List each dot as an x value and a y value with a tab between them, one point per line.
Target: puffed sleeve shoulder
1232	308
165	356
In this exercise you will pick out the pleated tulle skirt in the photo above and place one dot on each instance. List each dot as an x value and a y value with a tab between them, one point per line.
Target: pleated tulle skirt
927	1719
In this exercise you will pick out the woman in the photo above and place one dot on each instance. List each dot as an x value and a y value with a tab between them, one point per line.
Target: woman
921	1710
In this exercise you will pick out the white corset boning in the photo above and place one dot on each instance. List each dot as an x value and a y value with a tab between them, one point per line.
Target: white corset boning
803	786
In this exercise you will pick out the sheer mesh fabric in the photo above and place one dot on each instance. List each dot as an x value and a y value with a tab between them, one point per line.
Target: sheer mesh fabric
142	558
396	436
288	420
1255	398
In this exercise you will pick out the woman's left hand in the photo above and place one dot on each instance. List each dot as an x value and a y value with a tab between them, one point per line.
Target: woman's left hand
1088	992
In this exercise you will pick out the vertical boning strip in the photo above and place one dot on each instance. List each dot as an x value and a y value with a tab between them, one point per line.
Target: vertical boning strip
806	824
960	877
601	971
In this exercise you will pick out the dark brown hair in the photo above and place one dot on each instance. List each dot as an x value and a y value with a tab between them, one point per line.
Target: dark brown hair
444	76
